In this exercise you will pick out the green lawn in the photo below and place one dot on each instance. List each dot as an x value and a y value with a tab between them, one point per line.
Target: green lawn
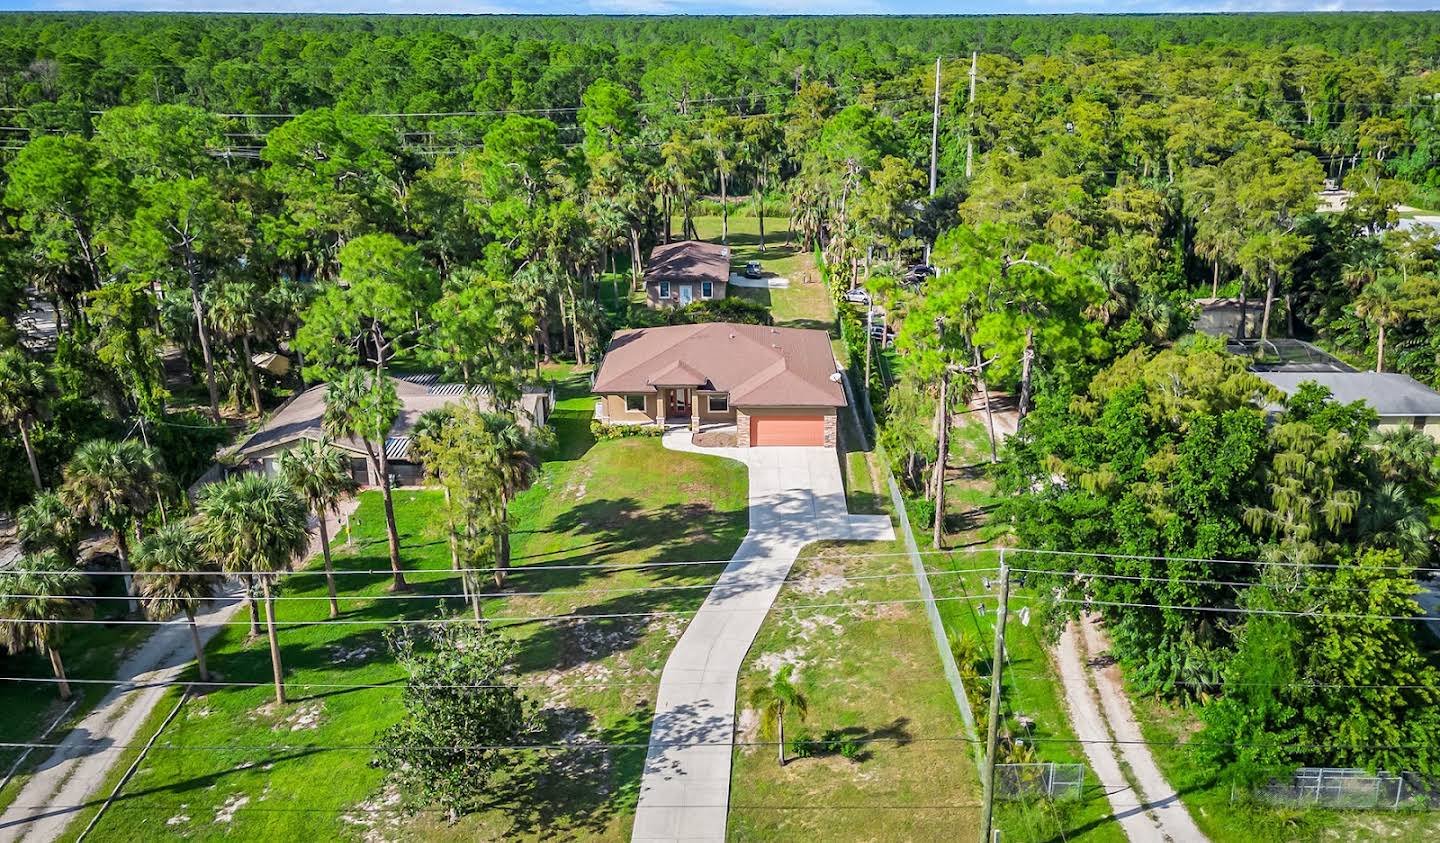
624	501
869	672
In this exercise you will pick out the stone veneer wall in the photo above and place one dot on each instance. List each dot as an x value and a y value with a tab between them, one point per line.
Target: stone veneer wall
830	429
742	428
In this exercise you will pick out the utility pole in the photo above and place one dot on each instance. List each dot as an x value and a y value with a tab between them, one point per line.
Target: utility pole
869	338
935	123
970	116
997	666
934	145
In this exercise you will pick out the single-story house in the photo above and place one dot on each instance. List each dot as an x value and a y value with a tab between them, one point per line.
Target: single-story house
301	418
778	386
684	271
1399	400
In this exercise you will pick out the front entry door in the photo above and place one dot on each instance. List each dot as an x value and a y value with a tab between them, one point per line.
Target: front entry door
679	403
687	294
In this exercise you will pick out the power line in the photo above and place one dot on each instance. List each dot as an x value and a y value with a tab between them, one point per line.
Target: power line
1160	579
1239	610
590	746
498	619
491	594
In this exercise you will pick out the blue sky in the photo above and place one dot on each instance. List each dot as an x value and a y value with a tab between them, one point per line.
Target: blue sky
717	6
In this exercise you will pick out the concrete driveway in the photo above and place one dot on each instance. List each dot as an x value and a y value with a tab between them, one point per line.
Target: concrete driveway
796	497
764	282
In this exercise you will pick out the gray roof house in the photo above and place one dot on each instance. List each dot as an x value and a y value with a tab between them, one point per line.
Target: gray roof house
301	418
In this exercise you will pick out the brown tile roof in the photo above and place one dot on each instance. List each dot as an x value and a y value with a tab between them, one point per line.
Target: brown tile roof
688	260
758	365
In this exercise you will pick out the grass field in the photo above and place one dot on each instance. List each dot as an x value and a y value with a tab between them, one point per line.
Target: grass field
624	501
870	673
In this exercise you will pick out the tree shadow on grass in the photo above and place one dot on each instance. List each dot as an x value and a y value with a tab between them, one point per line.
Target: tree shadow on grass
834	741
580	790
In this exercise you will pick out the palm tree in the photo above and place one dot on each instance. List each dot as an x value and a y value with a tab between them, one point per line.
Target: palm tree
173	573
46	523
22	392
237	311
112	485
255	523
1406	455
775	700
42	589
507	458
365	408
1382	304
318	472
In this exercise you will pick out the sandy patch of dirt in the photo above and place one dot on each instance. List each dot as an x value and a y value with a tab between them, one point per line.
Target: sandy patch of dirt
226	812
820	579
714	439
180	818
747	726
812	626
379	815
302	717
888	611
773	662
358	654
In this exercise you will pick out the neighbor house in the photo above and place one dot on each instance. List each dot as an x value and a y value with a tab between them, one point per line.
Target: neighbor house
777	386
1398	400
685	271
302	417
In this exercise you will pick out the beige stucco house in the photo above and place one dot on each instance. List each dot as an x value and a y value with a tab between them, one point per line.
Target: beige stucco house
777	386
685	271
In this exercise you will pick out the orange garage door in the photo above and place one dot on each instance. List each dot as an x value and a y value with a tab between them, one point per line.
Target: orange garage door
787	430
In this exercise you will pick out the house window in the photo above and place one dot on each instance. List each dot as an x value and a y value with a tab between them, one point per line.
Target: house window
720	403
707	289
635	403
664	289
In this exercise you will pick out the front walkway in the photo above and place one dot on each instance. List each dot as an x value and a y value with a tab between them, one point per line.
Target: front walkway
796	497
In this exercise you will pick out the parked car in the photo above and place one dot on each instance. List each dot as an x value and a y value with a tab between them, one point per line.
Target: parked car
882	334
752	269
857	295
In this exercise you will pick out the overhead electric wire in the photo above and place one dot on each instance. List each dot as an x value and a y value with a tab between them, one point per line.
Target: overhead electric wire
492	594
496	619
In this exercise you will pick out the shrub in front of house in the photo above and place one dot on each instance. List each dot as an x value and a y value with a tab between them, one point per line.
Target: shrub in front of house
603	431
722	310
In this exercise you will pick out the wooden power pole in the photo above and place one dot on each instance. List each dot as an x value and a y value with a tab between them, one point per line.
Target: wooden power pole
970	117
997	667
935	124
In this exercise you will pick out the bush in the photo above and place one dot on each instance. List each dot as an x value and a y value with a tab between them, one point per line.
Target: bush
604	430
722	310
922	511
802	745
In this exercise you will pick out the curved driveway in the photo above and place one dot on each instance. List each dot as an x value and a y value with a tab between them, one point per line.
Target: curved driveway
796	497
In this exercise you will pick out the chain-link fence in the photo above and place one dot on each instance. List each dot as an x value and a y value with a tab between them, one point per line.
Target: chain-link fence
1023	781
1338	787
